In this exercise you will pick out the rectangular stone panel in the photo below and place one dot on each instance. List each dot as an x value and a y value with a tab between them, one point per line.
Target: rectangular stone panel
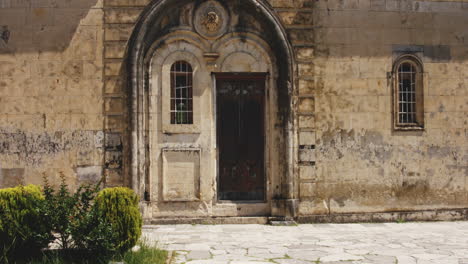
181	174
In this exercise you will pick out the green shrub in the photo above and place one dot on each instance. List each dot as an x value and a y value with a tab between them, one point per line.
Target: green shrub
22	227
119	207
95	234
67	212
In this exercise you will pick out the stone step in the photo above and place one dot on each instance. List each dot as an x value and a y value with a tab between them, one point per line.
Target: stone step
260	220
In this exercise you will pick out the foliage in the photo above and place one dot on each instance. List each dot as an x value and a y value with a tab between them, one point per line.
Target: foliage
66	211
145	255
119	207
95	234
89	226
21	223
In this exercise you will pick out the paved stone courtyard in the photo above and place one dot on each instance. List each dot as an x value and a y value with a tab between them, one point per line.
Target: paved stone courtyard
401	243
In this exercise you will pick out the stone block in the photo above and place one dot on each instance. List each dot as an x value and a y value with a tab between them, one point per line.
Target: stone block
306	86
93	17
367	103
109	3
114	178
99	139
26	122
351	4
306	121
112	68
342	104
122	15
306	69
85	50
307	155
307	190
11	177
89	174
14	68
89	157
114	50
297	18
308	173
305	53
86	121
113	85
284	3
38	17
72	69
301	35
114	122
307	138
113	159
114	32
93	70
306	105
114	105
58	122
113	141
378	5
13	16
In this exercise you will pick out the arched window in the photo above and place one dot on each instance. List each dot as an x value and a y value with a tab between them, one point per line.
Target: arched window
181	93
408	94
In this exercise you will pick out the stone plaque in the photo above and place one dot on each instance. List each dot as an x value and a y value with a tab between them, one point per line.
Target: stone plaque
181	174
211	19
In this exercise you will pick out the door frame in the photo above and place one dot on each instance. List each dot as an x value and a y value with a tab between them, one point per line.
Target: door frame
244	76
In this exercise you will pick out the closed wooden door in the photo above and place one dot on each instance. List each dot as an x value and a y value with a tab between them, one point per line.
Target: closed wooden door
241	138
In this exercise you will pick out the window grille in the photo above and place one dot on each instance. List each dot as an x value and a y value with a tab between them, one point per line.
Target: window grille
407	93
181	93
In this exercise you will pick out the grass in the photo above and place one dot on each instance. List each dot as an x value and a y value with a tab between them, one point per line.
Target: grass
146	255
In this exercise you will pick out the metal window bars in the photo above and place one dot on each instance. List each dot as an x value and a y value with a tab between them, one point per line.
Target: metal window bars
407	93
181	93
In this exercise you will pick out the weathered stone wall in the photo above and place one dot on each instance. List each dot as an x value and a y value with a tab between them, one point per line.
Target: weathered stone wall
51	92
362	165
64	106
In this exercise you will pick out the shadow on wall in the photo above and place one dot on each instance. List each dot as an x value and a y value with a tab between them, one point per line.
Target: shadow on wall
45	26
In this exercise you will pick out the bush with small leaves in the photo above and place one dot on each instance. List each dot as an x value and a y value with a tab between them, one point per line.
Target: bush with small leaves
23	228
65	211
119	207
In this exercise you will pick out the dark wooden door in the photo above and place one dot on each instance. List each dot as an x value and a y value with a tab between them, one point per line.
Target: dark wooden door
241	138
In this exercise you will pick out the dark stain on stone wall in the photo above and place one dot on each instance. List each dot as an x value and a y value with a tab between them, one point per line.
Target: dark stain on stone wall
395	180
32	148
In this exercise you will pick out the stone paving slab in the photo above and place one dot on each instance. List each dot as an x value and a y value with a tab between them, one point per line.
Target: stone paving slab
392	243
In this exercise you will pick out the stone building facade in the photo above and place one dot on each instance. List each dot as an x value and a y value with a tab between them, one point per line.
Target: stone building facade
309	109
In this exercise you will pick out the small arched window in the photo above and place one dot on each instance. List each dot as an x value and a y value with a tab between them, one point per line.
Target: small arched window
408	94
181	93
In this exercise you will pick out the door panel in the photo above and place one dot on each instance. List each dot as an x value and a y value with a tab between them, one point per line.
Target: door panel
240	134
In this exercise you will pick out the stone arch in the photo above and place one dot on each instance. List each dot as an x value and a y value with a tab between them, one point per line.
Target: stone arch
152	27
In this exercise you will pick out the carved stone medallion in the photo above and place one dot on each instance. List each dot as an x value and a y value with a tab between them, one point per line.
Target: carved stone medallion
211	19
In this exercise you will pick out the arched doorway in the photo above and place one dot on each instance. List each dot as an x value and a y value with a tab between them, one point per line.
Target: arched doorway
185	160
